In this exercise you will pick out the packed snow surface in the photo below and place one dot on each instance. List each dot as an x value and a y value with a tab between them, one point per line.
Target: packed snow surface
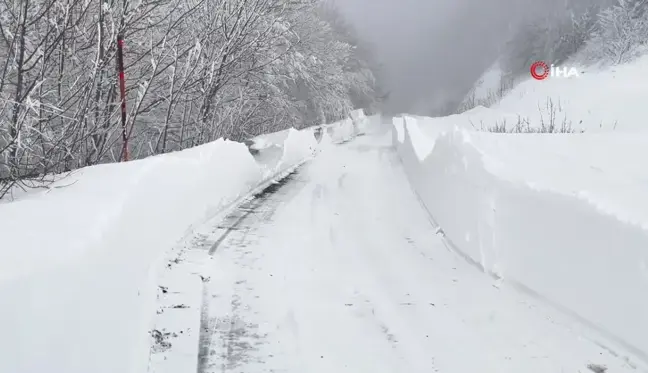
340	270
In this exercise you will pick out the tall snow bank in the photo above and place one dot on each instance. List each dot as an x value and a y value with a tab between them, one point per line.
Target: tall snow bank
78	263
298	146
361	121
89	309
345	130
275	138
399	130
341	131
564	217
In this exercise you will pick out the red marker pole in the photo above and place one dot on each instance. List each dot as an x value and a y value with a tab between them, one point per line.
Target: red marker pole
122	93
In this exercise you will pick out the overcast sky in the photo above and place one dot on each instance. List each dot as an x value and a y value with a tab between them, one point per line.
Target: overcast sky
430	49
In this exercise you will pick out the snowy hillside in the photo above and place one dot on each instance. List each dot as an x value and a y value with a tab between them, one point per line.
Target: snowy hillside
486	90
599	100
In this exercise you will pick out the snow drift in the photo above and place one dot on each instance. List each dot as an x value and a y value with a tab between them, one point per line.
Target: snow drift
78	262
564	217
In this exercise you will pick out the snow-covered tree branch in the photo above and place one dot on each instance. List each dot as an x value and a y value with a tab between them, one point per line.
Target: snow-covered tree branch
196	70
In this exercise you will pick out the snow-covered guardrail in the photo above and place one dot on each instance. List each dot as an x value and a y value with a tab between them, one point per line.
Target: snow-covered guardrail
562	217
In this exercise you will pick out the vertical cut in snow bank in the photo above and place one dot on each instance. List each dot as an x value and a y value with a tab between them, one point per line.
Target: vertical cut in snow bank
421	144
399	123
552	214
342	131
360	121
298	146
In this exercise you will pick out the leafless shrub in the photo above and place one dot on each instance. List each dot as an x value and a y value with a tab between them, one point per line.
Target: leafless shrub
549	122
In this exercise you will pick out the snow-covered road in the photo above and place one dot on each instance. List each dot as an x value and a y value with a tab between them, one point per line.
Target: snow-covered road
339	270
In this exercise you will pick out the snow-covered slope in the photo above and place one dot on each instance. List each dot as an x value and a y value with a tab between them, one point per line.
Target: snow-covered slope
562	216
78	261
598	100
487	88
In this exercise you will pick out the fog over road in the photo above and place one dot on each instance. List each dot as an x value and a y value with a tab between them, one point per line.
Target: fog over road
433	51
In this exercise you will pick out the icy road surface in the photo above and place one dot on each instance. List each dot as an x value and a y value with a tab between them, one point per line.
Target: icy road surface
339	270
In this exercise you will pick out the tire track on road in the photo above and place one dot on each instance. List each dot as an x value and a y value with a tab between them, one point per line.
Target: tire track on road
235	327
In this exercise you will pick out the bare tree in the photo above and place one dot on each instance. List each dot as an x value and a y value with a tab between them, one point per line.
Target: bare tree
622	28
196	70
